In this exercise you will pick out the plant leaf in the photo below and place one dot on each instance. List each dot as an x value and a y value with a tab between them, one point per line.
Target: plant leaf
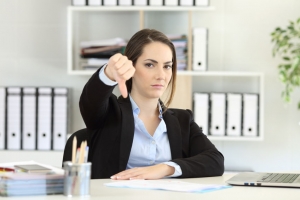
286	58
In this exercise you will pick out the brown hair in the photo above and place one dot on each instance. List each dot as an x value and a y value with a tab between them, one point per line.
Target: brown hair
134	50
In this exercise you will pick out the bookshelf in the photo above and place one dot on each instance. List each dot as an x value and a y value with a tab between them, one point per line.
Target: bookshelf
89	23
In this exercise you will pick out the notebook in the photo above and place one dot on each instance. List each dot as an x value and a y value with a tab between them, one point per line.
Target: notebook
266	179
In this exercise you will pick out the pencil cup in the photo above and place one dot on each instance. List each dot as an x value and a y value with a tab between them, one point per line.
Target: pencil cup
77	179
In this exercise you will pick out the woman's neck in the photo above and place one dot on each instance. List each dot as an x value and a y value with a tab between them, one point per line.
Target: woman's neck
148	107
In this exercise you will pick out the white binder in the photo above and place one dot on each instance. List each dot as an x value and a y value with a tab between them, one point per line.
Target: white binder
218	106
201	2
201	110
44	118
14	118
140	2
78	2
250	115
186	2
2	117
60	108
125	2
200	49
234	114
155	2
29	118
109	2
94	2
171	2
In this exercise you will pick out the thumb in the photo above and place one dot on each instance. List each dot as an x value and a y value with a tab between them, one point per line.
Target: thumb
123	88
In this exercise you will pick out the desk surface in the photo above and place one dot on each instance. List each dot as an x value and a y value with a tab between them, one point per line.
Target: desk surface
99	191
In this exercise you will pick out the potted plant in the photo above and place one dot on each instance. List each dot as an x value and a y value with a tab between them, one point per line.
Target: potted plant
287	46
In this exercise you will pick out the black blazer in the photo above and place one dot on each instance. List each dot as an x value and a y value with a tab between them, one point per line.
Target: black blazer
110	125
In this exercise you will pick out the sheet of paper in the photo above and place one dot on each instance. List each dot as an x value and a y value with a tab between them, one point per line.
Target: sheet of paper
171	185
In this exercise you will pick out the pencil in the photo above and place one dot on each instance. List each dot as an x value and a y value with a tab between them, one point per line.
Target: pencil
74	149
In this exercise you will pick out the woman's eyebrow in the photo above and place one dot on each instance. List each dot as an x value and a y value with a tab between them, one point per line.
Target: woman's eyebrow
168	62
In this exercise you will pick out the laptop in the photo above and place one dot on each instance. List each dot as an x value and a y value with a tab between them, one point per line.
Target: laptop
265	179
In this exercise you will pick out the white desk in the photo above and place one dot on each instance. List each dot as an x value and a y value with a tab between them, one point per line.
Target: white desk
99	191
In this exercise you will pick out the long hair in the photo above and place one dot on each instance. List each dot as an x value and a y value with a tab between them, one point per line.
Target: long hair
134	50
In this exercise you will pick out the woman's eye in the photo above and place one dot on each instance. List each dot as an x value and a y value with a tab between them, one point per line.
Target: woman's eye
149	64
168	66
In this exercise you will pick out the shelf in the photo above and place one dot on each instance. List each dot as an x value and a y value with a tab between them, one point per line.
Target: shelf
227	138
140	8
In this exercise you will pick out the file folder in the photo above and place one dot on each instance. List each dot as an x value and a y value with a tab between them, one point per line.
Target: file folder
29	118
234	114
250	115
2	117
200	49
155	2
171	2
14	118
109	2
201	2
218	107
186	2
140	2
94	2
201	110
60	108
78	2
125	2
44	136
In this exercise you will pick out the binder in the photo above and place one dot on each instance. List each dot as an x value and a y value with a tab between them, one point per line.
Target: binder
140	2
109	2
200	35
201	2
234	114
78	2
14	118
186	2
201	110
218	107
94	2
60	108
2	117
250	115
125	2
155	2
29	118
171	2
44	136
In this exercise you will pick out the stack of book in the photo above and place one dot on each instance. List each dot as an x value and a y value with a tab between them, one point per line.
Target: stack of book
97	53
180	44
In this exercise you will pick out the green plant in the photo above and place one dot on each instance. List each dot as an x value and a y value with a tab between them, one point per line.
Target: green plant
287	46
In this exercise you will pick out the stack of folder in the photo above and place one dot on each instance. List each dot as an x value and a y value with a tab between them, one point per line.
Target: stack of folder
140	2
180	44
227	114
97	53
33	118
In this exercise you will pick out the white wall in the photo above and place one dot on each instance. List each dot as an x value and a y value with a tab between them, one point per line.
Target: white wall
33	52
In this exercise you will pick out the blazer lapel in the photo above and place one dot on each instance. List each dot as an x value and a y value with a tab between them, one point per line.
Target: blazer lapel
174	134
127	131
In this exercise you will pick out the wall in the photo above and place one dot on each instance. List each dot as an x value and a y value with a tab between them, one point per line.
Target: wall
33	51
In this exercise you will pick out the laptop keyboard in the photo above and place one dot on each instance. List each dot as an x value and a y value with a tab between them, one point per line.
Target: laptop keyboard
278	178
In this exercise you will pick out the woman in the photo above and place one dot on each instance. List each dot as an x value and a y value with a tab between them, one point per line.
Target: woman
136	136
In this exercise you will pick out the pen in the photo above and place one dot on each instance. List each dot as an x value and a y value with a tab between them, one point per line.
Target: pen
74	150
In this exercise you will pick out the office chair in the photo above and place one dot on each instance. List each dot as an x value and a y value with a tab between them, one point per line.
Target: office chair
81	135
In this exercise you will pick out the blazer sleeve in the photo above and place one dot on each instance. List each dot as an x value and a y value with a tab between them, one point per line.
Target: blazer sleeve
201	159
94	101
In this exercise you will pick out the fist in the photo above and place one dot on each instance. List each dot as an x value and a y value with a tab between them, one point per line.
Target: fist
120	69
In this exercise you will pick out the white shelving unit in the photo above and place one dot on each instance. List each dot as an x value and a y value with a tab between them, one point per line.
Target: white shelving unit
185	78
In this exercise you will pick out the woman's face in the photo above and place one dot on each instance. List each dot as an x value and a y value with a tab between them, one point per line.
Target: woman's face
153	70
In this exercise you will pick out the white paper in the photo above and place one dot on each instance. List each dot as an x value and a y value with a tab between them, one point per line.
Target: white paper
171	185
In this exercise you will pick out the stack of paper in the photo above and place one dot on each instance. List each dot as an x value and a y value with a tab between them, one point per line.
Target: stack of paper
171	185
20	184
